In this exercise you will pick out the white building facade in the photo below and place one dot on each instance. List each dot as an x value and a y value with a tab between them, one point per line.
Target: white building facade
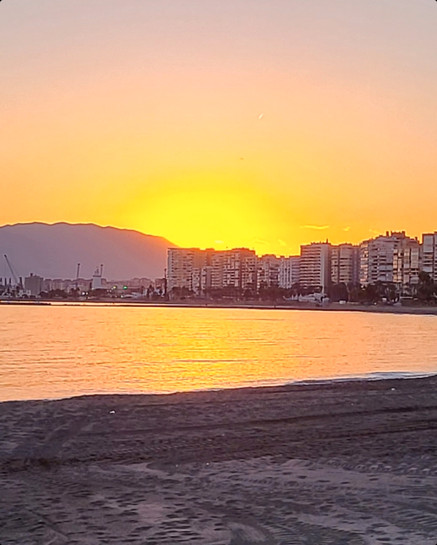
268	271
345	264
390	258
289	271
429	255
315	267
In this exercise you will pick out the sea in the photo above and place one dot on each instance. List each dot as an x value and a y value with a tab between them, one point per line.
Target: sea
58	351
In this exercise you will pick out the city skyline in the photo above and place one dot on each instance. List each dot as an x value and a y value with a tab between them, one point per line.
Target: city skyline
392	259
259	124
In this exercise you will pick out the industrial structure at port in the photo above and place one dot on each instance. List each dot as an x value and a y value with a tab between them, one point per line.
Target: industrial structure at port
33	285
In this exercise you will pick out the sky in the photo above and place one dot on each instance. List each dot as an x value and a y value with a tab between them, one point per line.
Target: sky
215	123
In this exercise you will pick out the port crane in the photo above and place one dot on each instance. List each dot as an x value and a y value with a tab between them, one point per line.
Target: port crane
17	289
14	276
77	276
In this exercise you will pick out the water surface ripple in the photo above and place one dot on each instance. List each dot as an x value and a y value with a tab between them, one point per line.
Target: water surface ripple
59	351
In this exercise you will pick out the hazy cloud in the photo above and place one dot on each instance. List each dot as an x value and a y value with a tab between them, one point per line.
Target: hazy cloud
317	227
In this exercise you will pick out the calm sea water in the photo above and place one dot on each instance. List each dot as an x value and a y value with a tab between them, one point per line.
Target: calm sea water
60	351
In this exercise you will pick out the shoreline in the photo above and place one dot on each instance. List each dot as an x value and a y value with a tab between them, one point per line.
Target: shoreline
329	307
386	377
350	463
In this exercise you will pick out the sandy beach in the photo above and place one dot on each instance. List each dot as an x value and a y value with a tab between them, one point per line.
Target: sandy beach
321	464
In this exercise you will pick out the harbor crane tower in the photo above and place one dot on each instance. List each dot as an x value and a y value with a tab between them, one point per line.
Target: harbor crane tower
14	276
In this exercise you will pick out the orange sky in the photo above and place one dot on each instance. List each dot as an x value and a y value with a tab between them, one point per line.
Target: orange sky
260	123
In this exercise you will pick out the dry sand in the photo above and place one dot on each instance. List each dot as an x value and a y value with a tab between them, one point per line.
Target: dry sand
342	464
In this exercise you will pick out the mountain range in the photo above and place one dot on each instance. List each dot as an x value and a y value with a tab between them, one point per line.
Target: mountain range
54	250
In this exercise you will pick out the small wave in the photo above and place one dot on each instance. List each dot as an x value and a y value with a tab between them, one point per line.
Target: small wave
389	375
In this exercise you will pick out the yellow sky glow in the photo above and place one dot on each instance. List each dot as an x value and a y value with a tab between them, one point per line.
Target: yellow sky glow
215	126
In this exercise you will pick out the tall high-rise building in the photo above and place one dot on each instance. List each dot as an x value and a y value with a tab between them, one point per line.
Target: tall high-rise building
406	262
364	262
429	255
289	271
268	271
345	264
392	257
182	269
315	269
239	269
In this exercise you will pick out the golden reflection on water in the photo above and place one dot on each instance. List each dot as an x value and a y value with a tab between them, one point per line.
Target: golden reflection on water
59	351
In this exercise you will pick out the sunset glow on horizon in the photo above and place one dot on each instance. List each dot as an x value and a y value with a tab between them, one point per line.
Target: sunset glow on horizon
265	124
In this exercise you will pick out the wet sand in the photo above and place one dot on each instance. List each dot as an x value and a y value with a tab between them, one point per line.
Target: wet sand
341	464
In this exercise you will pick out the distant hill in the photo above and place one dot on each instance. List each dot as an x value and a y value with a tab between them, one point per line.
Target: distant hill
53	251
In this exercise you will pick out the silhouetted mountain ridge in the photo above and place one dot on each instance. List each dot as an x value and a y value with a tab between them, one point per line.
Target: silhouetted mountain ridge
54	250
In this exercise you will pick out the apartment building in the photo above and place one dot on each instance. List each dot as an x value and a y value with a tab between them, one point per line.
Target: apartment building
363	266
429	255
239	269
182	265
406	262
315	270
392	257
345	259
289	271
268	271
